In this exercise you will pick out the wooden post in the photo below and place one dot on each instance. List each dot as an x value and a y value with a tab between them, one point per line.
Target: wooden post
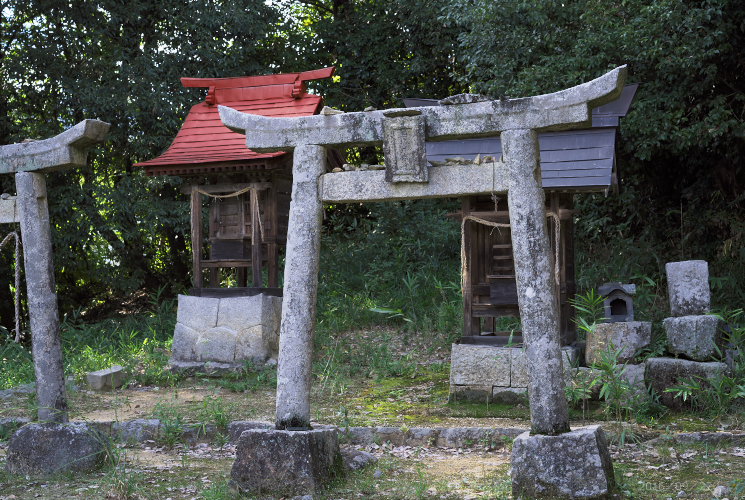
273	261
569	334
196	234
256	239
272	251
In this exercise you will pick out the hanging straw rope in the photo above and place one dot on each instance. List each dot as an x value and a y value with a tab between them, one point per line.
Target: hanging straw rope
255	206
254	202
229	195
464	260
14	235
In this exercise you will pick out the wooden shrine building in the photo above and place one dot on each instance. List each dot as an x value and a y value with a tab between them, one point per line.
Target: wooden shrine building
246	194
573	161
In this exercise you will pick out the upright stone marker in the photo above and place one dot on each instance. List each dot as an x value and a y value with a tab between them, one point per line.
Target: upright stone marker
28	161
688	287
407	177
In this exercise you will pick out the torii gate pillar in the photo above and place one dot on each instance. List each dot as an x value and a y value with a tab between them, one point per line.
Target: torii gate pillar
29	161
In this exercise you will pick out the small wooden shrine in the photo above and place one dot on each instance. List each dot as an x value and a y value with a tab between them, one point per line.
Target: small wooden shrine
239	198
574	161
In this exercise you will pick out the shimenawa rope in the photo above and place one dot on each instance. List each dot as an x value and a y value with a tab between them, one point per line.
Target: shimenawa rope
7	238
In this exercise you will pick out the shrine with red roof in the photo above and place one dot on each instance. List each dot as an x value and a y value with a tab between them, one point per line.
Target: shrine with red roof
248	193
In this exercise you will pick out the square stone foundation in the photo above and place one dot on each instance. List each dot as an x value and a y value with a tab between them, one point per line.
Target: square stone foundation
45	449
575	464
285	463
484	373
226	331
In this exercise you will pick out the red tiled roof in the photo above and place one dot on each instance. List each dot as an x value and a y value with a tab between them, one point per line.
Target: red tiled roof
204	140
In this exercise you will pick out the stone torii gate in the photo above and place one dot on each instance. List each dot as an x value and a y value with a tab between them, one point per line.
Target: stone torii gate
29	161
403	132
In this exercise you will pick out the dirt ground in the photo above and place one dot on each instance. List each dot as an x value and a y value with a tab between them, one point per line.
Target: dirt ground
657	469
149	471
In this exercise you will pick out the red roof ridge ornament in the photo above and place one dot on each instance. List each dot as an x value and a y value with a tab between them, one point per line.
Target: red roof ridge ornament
258	81
211	99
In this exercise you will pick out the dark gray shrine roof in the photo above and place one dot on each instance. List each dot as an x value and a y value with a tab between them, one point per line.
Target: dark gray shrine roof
572	160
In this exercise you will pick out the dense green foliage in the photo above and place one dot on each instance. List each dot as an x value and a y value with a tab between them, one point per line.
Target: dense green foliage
681	147
116	231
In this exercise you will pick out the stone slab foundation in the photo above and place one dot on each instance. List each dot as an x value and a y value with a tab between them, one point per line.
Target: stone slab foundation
225	332
483	373
285	463
662	373
45	449
575	464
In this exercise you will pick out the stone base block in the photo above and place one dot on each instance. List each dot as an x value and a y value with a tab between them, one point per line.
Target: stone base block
48	448
576	464
480	365
210	368
471	393
663	373
107	379
229	330
484	373
509	395
696	337
629	337
285	463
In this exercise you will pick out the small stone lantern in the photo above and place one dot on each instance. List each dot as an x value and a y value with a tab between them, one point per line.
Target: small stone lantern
618	304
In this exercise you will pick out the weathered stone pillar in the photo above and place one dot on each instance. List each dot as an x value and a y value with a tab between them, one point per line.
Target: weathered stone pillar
536	289
300	288
42	298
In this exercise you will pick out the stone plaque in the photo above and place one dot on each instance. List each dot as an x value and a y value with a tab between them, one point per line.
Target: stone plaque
404	150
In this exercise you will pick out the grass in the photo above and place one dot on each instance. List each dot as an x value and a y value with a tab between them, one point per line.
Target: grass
139	342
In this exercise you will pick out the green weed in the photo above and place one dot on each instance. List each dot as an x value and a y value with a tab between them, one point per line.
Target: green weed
171	422
588	311
214	410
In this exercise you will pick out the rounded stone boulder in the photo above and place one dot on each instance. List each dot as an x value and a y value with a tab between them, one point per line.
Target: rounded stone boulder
51	448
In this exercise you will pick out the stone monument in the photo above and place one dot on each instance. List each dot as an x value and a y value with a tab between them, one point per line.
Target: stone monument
691	332
694	337
29	161
402	132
